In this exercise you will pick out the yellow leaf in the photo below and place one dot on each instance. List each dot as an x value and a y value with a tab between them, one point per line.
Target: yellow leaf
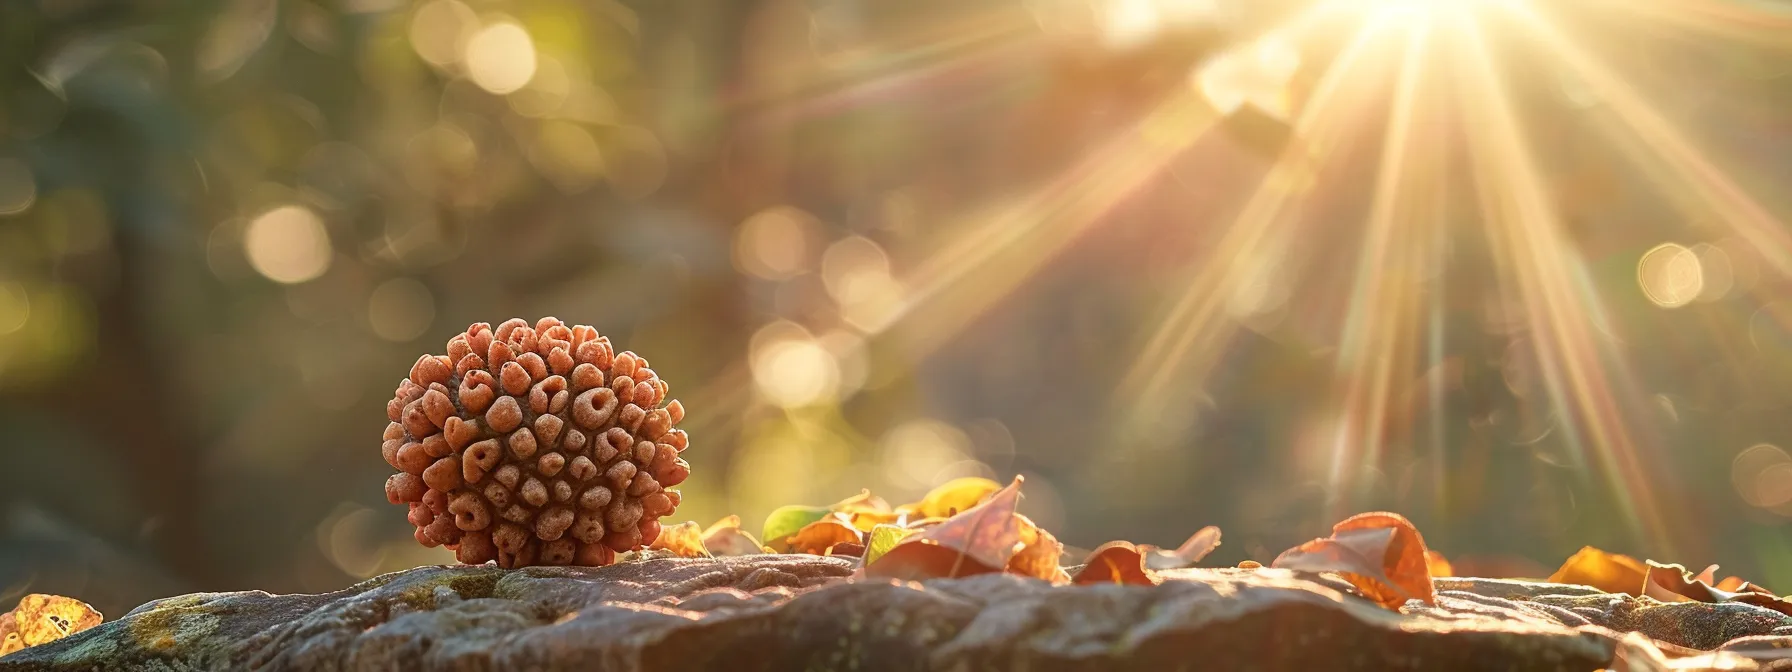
883	538
685	539
955	496
865	510
40	619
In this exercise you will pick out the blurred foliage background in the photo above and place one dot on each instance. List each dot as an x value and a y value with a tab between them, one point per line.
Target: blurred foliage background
870	243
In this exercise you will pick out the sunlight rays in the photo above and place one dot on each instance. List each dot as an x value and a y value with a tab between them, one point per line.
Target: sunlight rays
1189	338
1434	68
966	49
1743	20
984	264
1697	185
1544	269
1381	319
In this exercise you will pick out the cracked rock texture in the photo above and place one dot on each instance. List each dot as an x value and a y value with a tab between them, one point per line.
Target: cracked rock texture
791	612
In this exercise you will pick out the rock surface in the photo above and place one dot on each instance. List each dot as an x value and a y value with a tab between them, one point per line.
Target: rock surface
788	612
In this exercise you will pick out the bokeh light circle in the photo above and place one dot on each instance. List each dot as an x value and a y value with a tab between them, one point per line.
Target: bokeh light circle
288	244
1670	275
1749	466
500	57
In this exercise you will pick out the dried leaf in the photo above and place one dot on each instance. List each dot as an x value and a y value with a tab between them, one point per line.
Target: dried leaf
1116	562
1039	553
725	538
40	619
1610	572
1380	553
976	541
1438	564
866	510
684	539
817	537
1673	583
864	501
955	496
9	635
883	538
1190	552
785	522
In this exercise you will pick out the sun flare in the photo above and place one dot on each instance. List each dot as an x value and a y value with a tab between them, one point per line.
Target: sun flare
1434	81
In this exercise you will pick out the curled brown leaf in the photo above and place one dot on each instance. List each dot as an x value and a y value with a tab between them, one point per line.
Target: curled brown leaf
1116	562
1673	583
1379	553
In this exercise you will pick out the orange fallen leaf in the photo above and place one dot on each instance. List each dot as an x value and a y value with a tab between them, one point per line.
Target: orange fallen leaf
817	537
976	541
1610	572
1438	564
1116	562
1380	553
1039	553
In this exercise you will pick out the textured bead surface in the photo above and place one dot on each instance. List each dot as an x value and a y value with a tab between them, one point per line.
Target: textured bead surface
534	445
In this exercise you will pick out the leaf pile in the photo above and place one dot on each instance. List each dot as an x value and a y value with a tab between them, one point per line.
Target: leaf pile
1618	573
963	527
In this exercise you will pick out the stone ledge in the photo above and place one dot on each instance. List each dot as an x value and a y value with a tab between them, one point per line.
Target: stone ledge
787	612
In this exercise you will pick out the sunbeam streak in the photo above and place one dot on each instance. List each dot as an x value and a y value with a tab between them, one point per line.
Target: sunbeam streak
1382	312
1190	337
1690	178
1548	276
987	263
969	48
1758	22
